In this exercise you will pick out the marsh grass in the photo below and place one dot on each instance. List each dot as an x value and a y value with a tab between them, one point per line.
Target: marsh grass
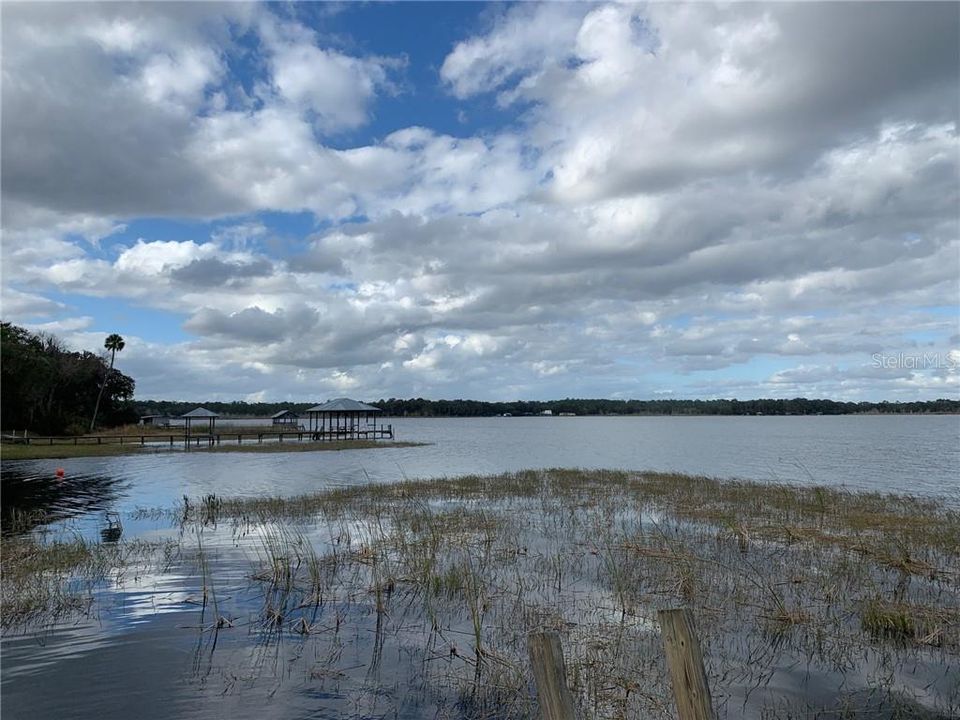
448	576
912	623
69	450
777	574
10	452
45	582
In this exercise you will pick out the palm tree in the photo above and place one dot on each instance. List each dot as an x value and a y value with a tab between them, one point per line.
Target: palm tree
114	343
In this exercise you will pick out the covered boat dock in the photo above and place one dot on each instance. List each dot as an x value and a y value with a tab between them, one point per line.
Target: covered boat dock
344	418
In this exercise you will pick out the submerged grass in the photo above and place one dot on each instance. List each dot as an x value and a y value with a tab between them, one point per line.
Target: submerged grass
44	582
843	582
851	588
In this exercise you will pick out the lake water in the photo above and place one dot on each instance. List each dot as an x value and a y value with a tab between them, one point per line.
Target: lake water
906	454
140	656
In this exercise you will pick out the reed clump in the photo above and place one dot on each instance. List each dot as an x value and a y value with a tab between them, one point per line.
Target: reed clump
46	581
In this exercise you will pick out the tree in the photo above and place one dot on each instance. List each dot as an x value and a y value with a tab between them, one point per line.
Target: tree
114	343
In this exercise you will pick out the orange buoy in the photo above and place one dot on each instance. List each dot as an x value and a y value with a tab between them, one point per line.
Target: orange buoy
60	472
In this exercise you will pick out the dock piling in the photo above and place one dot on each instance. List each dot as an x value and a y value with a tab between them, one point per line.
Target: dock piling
685	663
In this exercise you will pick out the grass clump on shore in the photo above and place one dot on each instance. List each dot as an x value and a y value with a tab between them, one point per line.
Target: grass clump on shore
63	451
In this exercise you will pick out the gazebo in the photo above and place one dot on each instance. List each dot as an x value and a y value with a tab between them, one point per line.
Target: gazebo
200	413
285	417
342	417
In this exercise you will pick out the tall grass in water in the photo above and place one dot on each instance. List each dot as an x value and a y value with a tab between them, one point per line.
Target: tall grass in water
440	581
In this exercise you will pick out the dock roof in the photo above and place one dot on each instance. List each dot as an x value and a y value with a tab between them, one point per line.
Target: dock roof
343	405
282	413
200	412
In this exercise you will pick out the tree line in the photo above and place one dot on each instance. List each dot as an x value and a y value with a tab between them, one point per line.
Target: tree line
420	407
50	390
47	389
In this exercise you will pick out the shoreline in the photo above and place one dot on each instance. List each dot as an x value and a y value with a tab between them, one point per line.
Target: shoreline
67	452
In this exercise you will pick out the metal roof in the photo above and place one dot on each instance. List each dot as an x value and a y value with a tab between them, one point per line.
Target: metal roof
343	405
282	413
200	412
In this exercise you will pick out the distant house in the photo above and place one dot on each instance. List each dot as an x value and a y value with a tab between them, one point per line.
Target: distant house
286	417
155	420
547	412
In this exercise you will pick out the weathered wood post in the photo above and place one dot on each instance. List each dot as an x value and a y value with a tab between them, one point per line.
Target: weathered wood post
685	663
550	674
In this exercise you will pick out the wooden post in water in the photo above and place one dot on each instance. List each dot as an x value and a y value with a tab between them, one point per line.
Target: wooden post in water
550	674
685	663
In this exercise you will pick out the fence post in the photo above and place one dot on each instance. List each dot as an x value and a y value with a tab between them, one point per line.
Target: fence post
685	663
550	674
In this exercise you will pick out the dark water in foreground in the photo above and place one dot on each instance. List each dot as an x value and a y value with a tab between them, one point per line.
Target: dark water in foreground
142	655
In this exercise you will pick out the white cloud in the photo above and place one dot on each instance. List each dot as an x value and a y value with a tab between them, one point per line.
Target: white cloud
674	190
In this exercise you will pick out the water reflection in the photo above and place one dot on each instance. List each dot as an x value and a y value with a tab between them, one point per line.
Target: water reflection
374	611
32	498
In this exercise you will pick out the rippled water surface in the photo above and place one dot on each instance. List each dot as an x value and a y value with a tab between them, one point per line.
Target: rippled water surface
911	454
138	656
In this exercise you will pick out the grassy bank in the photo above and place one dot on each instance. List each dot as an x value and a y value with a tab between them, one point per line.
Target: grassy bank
41	452
858	590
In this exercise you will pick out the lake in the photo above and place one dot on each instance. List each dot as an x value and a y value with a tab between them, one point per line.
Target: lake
142	653
905	454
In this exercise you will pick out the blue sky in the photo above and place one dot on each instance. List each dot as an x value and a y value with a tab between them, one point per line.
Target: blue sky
497	201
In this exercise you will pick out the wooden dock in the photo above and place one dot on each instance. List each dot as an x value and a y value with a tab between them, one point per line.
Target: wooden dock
379	432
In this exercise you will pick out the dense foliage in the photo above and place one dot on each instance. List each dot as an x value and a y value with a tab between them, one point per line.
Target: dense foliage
418	407
49	390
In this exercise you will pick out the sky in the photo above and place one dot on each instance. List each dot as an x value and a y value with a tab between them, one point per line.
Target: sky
298	201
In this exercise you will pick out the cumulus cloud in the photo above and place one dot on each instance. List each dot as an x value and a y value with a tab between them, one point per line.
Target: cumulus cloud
675	191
